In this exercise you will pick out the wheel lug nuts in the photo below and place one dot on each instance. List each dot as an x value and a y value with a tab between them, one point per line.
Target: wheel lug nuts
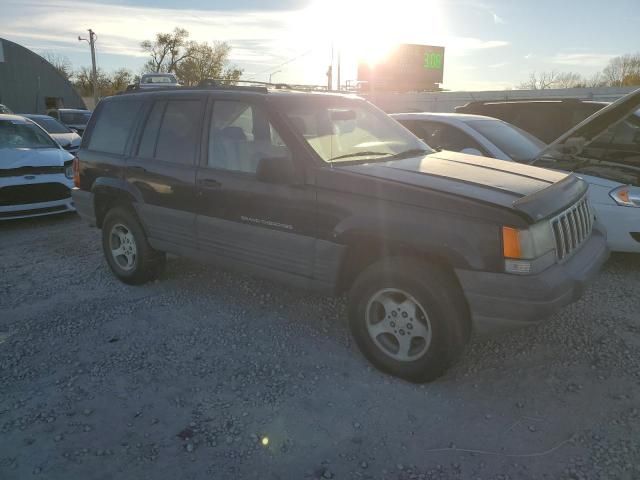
404	315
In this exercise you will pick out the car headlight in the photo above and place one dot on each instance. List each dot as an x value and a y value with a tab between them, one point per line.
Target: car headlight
68	170
528	250
626	196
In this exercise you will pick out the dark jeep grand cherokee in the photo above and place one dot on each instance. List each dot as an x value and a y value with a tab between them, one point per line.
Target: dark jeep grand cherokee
327	192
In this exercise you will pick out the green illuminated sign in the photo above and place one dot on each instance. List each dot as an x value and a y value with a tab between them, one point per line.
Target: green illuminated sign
433	61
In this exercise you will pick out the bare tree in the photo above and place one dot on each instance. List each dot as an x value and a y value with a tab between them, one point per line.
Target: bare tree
569	80
61	63
167	50
539	81
596	80
623	70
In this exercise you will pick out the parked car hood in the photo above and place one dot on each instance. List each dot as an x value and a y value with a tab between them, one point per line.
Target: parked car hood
577	138
568	151
33	157
498	182
67	139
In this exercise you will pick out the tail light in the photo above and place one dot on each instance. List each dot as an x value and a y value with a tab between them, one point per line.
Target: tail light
76	172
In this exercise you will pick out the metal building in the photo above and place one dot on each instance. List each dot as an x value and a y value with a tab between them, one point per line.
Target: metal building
30	84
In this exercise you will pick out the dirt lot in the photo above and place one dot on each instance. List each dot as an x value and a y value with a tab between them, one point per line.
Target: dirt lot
186	377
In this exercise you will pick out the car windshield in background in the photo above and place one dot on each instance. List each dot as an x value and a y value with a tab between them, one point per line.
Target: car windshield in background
51	125
158	79
23	134
351	131
518	144
75	118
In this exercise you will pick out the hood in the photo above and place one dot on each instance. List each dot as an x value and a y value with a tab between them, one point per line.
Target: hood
66	140
35	157
575	140
507	184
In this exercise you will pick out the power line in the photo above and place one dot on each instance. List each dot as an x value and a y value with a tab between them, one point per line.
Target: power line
272	69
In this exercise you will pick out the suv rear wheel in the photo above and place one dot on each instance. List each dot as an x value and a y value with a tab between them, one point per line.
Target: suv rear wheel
408	318
127	250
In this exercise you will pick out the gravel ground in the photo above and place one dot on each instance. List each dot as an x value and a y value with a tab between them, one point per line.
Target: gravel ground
210	374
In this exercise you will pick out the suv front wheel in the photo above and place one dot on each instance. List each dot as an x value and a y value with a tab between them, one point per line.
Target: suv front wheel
409	318
127	250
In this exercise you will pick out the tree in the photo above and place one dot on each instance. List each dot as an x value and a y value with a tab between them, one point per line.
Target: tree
84	83
569	80
553	79
120	79
539	81
623	70
207	61
167	50
61	63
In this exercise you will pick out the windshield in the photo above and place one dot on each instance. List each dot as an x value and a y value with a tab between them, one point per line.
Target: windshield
516	143
23	134
51	125
75	118
339	130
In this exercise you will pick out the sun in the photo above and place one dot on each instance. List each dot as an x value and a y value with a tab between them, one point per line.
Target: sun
368	30
356	32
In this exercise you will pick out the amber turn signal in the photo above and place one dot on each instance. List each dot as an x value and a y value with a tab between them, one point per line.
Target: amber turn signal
511	243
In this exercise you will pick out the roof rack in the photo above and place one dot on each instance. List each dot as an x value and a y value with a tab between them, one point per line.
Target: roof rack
226	84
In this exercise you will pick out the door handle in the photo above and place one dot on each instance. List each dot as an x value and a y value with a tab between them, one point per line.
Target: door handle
209	182
138	169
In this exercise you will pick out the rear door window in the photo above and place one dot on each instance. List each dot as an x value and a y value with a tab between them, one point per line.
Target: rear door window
147	148
113	126
179	133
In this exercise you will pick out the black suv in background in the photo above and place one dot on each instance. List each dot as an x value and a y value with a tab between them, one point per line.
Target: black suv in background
326	192
547	119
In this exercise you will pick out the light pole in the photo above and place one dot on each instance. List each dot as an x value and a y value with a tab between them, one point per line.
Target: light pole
273	73
94	72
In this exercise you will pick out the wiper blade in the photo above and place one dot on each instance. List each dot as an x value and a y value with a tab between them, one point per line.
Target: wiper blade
360	154
414	152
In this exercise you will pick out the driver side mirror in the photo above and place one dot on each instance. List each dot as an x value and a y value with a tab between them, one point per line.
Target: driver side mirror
276	170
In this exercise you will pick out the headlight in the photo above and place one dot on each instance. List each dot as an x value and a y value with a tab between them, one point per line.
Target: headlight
529	250
68	170
626	196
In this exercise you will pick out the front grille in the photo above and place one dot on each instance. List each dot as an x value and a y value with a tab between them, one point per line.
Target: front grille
572	228
22	171
34	193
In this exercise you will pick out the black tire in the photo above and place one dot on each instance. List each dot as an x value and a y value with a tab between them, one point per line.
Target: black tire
147	264
437	294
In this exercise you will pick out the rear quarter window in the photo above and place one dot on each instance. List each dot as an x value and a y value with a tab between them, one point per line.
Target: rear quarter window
113	126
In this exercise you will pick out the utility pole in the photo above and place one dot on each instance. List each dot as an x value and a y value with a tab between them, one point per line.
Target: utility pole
272	74
339	70
94	71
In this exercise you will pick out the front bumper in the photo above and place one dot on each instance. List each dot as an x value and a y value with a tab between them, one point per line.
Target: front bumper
47	198
500	301
620	223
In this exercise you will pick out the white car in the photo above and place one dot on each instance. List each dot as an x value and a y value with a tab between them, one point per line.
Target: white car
614	180
36	174
150	81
